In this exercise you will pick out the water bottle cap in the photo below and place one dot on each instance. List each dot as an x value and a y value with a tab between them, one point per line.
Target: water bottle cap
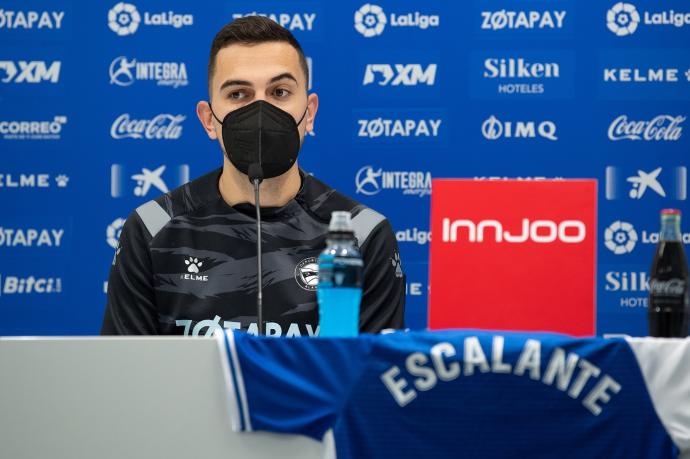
670	212
341	221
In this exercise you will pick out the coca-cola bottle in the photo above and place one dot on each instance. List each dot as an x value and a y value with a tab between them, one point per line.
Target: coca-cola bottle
669	306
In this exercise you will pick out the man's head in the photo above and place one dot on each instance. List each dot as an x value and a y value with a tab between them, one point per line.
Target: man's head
254	58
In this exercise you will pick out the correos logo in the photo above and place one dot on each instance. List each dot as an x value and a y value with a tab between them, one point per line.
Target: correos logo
620	237
124	19
539	231
370	20
622	19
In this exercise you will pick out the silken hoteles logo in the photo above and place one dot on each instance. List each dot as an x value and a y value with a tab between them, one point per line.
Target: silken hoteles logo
637	184
668	128
30	237
538	231
399	74
370	181
546	74
495	129
372	21
125	19
303	22
632	287
32	19
624	19
507	20
163	126
124	72
32	129
22	180
139	181
30	72
621	238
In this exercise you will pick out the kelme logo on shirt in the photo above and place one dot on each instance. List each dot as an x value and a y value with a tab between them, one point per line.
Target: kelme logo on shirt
307	273
193	264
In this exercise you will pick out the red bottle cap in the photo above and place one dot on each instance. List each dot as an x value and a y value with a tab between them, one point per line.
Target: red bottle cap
670	211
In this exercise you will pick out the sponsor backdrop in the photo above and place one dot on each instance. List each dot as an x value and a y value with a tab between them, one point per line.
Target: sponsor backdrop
97	116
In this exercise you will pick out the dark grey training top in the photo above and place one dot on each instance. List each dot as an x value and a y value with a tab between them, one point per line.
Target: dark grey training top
186	264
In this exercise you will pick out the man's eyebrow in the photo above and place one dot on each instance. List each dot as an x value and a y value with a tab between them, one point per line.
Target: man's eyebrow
235	83
284	75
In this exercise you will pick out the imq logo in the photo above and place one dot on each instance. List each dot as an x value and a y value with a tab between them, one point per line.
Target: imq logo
495	129
31	72
539	231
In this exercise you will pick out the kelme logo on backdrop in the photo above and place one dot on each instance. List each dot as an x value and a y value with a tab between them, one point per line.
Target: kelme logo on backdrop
623	19
372	21
125	19
22	180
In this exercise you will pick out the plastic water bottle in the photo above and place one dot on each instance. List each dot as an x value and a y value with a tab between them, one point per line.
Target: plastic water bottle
339	290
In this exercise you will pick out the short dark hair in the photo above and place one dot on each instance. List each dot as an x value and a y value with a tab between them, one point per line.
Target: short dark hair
251	30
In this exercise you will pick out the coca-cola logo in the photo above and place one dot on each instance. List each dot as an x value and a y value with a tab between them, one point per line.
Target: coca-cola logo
163	126
671	287
662	127
539	231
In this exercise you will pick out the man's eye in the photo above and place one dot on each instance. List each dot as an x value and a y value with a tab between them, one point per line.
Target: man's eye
237	95
281	92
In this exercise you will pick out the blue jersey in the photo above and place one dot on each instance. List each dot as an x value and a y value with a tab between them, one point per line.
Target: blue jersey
466	394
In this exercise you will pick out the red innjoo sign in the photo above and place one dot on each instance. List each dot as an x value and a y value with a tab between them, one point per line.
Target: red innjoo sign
513	255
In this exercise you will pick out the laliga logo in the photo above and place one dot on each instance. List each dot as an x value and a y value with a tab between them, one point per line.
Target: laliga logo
620	237
370	20
124	19
622	19
539	231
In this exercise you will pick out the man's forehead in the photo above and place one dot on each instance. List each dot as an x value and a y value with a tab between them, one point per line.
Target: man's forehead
257	62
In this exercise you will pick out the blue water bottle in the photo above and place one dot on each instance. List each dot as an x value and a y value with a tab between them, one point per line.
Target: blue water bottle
339	290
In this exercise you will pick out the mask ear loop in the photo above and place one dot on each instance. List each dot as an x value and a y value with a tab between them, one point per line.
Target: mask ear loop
212	113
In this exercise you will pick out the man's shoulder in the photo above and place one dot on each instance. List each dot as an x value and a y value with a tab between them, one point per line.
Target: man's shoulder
185	199
321	199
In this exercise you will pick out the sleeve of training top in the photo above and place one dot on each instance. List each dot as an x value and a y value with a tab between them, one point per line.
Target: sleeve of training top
383	293
296	387
131	306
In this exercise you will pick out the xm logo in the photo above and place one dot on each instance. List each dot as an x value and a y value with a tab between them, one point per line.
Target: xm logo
400	74
622	19
620	237
539	231
494	129
29	71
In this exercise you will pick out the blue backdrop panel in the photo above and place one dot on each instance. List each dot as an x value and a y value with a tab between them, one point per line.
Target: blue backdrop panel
98	98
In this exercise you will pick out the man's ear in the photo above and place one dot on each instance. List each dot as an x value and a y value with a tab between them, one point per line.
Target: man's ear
203	112
312	108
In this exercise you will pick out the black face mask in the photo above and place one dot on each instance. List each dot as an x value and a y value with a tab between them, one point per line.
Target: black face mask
261	133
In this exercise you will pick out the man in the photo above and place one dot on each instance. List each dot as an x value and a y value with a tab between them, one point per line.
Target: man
186	262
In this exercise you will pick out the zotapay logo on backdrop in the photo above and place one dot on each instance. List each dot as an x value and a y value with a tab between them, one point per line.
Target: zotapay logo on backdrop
644	183
161	127
370	181
138	182
624	19
124	72
303	22
524	22
32	129
125	19
371	20
11	237
30	72
31	19
661	128
399	126
495	129
546	74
